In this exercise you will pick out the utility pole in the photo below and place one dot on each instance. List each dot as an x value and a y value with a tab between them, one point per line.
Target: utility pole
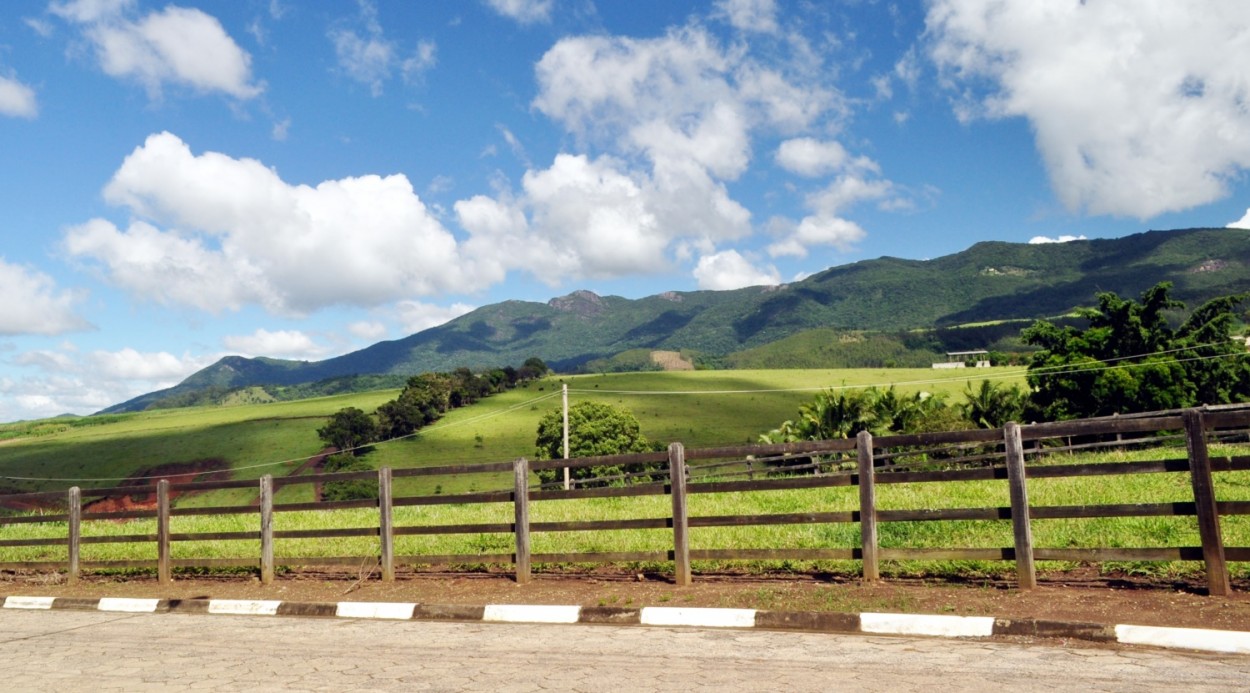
565	388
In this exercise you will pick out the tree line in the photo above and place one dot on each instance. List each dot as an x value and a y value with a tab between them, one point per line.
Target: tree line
424	399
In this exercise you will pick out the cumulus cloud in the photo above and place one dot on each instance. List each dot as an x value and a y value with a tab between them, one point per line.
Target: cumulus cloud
33	305
238	234
369	330
811	157
1242	223
675	116
730	270
17	99
1036	240
827	224
176	45
367	56
415	316
1138	111
523	11
69	381
286	344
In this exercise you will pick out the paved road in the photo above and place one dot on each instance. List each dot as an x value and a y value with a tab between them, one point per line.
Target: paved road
70	650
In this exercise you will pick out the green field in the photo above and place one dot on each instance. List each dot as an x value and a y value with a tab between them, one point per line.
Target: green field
697	408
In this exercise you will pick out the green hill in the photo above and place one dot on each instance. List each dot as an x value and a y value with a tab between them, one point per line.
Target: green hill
989	282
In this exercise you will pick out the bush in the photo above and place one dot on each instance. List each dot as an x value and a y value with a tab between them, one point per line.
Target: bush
357	489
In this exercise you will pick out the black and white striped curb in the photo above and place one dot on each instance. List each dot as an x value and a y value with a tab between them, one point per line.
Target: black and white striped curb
1235	642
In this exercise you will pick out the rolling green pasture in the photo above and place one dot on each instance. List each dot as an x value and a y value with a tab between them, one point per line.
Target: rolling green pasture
698	408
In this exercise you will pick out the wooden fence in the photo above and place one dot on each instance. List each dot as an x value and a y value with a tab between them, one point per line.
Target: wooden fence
980	455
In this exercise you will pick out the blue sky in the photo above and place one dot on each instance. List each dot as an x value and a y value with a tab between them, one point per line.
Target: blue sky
180	182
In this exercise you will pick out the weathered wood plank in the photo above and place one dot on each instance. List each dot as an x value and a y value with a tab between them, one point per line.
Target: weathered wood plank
831	554
603	557
1204	500
681	516
772	484
266	529
425	530
867	506
1054	512
774	519
386	525
521	513
942	514
1021	529
162	531
74	533
1098	555
602	525
945	554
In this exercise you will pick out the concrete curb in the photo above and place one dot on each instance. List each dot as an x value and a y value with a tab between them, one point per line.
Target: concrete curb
1223	641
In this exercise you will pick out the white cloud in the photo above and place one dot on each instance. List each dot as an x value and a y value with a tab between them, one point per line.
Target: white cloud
370	58
1138	110
810	157
1242	223
285	344
33	305
1037	240
176	45
750	15
17	99
523	11
153	367
368	330
68	381
416	316
239	234
729	270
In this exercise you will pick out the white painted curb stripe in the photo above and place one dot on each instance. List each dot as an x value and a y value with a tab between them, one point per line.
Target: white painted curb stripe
1189	638
243	607
705	618
28	602
137	606
375	610
924	624
524	613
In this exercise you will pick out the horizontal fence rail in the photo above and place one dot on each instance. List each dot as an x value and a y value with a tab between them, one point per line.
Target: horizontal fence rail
1014	455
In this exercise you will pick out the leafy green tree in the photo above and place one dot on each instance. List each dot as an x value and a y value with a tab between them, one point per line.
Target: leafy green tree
349	430
992	405
594	429
1129	358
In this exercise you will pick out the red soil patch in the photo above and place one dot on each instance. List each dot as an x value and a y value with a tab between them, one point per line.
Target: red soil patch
210	469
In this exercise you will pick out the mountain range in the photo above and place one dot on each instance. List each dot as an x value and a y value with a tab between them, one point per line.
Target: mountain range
990	281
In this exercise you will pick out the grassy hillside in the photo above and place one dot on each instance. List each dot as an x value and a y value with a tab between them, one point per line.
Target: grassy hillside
698	408
986	283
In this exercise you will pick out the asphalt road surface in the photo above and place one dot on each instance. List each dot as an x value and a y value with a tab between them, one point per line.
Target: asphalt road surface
72	650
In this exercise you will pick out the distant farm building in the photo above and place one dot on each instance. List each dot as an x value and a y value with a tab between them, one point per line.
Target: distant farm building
960	359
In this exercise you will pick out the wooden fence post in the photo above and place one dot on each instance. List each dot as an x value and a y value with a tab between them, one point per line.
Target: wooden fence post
1022	530
521	504
266	529
74	506
867	507
681	521
385	526
163	573
1204	501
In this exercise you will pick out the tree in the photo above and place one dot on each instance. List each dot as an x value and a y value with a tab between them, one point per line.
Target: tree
992	405
1129	358
532	369
349	430
594	429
